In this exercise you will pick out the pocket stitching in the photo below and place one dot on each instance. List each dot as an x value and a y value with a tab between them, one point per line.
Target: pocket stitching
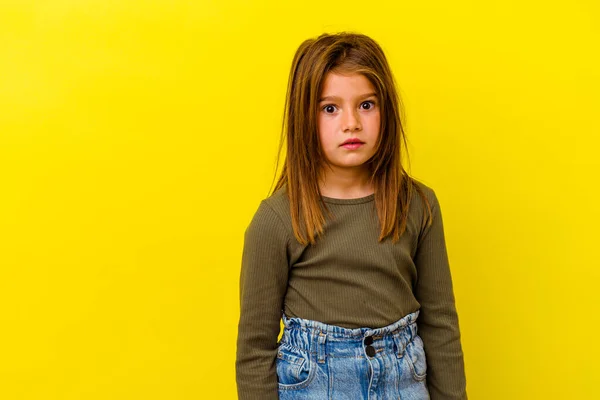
311	371
290	358
417	376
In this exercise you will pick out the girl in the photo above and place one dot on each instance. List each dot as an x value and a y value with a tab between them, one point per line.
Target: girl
348	250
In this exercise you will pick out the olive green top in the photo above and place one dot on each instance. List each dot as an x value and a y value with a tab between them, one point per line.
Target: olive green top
348	279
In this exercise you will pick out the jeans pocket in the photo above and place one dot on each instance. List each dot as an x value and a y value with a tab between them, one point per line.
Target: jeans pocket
294	367
416	358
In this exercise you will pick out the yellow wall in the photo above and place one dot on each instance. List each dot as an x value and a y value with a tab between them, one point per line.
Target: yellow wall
138	137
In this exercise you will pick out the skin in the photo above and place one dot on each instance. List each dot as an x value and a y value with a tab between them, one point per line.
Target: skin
348	108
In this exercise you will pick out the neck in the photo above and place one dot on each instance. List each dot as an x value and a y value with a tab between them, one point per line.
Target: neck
347	183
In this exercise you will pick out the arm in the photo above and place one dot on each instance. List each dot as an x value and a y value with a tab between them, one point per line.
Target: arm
263	283
438	321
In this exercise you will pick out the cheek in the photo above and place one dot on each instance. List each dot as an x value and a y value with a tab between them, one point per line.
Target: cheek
326	144
325	130
376	120
375	124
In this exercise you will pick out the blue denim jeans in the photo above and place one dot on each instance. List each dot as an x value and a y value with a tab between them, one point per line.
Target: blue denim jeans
320	361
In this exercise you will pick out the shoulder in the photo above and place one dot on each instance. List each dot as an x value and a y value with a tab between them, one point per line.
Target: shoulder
279	204
278	200
425	208
270	217
422	190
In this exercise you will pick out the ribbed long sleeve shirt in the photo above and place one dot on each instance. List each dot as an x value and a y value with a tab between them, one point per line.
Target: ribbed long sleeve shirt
348	279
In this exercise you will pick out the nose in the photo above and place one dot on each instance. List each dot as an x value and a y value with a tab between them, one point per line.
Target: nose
351	121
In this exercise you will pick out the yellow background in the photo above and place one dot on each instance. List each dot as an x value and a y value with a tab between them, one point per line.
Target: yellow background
138	137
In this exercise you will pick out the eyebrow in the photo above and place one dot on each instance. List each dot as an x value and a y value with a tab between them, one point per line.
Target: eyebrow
364	96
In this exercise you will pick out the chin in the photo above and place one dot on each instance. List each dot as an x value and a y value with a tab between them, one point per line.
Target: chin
351	165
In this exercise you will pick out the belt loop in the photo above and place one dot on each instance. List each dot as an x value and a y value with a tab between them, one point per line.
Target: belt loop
321	347
400	346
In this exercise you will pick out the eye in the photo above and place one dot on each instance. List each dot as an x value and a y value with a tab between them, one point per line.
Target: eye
328	108
371	104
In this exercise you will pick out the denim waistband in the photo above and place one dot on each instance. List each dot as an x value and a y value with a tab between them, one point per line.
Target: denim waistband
325	340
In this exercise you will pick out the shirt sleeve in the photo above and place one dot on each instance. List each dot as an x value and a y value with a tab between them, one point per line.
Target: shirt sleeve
438	320
263	283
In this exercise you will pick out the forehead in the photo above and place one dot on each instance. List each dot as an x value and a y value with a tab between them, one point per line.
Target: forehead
346	86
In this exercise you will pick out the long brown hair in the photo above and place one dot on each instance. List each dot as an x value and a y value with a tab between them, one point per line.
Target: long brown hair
344	52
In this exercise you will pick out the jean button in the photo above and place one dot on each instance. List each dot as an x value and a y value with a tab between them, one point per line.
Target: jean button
368	340
370	351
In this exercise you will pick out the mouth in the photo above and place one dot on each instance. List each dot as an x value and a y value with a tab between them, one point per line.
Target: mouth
352	145
352	142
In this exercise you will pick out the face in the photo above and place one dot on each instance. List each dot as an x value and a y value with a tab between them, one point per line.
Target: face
348	109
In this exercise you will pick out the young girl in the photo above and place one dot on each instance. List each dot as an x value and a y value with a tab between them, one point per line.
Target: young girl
348	250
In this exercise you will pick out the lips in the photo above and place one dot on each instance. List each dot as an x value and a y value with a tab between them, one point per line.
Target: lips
352	141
